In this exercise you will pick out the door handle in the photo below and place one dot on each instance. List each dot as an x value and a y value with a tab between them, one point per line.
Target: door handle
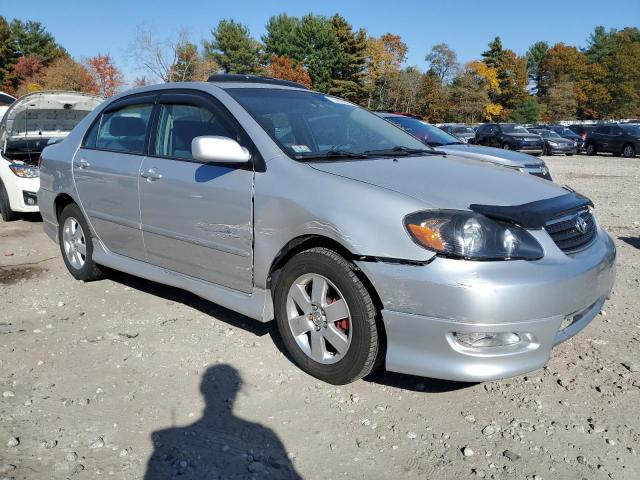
151	175
82	163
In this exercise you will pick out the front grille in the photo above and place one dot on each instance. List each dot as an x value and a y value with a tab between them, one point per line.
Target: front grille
564	230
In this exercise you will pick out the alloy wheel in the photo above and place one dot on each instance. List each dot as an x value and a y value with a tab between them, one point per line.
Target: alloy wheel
74	243
319	319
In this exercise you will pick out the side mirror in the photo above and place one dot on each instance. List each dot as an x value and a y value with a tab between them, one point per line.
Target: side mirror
219	150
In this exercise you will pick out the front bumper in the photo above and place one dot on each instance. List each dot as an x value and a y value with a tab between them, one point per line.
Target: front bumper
528	148
552	150
21	192
424	306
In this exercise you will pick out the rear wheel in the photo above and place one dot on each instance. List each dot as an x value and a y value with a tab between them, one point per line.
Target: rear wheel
506	146
591	149
326	317
76	244
8	215
629	151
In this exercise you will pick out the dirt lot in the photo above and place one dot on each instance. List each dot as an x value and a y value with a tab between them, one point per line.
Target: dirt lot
124	378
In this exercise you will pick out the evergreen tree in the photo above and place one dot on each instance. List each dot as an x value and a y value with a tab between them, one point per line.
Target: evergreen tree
233	49
8	54
494	55
535	54
348	76
32	39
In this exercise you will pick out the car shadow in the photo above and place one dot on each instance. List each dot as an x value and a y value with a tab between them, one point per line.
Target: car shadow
189	299
174	294
633	241
219	445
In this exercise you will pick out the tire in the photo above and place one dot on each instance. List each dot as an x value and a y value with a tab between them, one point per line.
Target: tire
506	146
545	150
76	245
7	214
591	150
628	151
358	351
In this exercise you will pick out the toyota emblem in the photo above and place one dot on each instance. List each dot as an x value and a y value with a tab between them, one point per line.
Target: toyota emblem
580	224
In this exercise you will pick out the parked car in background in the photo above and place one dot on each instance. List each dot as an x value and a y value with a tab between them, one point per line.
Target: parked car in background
509	136
566	132
554	144
5	101
617	138
465	133
582	130
30	124
435	137
366	246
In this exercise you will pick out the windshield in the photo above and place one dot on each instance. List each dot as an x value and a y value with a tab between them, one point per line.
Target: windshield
631	129
311	125
567	133
512	128
464	131
426	133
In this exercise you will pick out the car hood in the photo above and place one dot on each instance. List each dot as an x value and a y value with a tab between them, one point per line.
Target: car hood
46	114
509	158
446	181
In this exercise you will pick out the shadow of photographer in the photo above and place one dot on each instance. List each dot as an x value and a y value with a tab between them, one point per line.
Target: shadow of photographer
219	445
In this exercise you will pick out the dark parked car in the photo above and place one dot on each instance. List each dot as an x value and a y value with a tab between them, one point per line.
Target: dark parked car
619	139
566	132
554	143
509	136
465	133
442	141
582	130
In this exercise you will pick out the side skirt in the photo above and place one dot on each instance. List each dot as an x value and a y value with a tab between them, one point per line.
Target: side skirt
257	305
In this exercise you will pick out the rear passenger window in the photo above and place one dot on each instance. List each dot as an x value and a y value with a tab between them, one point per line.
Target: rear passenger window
124	130
178	125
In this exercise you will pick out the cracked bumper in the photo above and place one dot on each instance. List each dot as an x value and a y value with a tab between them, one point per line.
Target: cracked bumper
424	306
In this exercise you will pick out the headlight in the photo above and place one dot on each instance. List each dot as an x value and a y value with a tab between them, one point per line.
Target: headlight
24	171
553	144
460	234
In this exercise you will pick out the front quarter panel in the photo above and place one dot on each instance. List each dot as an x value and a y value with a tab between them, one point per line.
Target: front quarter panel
294	200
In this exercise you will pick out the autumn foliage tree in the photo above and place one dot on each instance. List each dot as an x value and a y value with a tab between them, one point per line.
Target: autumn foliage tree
106	74
65	73
285	69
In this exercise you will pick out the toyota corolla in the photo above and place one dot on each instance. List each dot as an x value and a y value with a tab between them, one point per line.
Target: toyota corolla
366	246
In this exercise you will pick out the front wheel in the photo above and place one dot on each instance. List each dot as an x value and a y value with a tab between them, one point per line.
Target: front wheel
326	317
591	149
629	151
76	244
8	215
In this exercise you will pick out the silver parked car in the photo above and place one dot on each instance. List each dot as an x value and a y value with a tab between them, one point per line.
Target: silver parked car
365	245
443	141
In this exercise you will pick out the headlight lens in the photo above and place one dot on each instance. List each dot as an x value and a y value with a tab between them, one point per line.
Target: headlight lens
460	234
553	144
24	171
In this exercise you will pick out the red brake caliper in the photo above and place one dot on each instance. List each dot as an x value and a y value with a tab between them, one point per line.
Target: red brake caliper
342	324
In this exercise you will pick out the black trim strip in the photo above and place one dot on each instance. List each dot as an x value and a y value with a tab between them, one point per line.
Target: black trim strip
534	215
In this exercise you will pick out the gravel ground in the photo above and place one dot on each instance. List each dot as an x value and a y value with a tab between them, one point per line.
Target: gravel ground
130	379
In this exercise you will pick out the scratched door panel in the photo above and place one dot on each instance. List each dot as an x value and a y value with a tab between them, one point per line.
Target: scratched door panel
197	220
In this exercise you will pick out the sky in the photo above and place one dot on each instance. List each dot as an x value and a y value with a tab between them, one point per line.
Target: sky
88	27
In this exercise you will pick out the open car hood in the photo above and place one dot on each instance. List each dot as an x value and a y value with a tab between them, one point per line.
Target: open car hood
45	114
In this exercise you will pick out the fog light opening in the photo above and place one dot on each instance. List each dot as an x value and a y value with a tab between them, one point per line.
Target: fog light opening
487	339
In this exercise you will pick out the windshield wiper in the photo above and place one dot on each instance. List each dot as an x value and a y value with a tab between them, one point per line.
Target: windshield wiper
333	154
403	151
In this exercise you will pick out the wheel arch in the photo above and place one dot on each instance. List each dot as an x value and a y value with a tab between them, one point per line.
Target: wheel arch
305	242
61	201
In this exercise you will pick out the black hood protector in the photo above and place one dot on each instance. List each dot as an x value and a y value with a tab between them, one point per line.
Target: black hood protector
534	215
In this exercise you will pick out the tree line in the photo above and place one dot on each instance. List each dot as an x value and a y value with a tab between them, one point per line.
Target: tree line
548	83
